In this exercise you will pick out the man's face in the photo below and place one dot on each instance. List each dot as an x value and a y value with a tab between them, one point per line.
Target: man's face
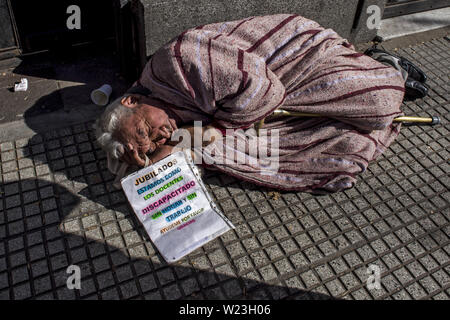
147	128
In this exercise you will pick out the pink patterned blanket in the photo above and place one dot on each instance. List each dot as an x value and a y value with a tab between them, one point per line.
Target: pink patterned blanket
235	73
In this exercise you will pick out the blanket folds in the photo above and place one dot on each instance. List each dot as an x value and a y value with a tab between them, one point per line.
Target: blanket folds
235	73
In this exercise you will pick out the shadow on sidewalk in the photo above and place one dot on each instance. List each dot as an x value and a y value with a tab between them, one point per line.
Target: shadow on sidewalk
82	187
107	271
58	81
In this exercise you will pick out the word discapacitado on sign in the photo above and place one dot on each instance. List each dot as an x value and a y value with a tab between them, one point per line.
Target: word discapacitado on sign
172	203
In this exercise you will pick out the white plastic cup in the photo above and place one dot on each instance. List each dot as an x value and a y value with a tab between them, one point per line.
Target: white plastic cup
22	85
101	95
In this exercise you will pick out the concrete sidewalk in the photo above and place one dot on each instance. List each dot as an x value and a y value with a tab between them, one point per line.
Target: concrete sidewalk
414	23
58	208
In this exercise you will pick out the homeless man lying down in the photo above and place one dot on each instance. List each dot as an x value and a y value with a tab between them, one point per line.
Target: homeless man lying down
232	75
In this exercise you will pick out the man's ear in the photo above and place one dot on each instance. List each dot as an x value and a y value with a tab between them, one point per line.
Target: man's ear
120	150
130	101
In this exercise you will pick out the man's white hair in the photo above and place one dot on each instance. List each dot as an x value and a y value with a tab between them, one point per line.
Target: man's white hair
107	124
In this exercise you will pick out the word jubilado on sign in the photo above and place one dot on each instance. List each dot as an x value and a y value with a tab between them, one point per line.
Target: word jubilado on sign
155	173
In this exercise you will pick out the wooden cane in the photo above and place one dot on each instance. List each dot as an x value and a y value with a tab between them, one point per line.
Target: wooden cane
404	119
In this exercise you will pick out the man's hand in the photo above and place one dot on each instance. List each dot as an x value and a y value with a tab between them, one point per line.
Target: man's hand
208	135
131	156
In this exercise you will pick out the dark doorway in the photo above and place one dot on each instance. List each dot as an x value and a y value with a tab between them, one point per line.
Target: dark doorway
62	65
42	25
9	45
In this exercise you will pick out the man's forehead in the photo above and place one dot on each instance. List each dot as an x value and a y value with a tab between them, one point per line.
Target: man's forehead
132	119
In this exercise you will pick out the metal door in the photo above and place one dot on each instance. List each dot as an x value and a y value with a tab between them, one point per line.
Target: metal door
9	45
396	8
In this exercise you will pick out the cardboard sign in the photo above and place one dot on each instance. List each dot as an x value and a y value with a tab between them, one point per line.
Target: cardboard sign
171	201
